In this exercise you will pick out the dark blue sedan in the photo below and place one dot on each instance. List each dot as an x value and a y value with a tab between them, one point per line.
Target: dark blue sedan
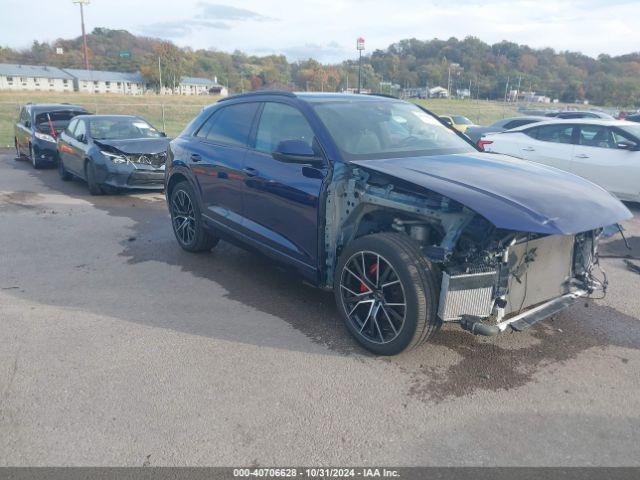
404	219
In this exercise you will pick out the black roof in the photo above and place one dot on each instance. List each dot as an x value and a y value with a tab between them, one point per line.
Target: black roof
315	97
53	107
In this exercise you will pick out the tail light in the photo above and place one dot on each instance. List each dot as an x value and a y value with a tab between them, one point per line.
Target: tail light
482	143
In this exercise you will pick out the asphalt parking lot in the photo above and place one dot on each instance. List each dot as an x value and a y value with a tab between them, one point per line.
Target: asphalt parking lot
118	348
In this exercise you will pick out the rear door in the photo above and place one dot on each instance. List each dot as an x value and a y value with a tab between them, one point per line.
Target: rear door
77	143
216	158
281	199
549	144
65	150
598	158
23	131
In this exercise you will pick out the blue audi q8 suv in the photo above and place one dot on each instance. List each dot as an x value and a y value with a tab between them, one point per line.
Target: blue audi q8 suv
404	219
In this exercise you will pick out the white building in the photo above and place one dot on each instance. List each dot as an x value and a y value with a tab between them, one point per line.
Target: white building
34	78
101	81
201	86
438	92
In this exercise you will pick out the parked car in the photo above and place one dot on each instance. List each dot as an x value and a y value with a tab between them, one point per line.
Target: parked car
633	118
407	222
476	132
113	152
38	127
458	122
575	114
604	152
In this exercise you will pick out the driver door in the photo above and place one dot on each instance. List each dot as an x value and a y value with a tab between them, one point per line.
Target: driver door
598	158
281	199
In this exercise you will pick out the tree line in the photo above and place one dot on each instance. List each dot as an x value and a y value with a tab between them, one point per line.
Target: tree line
488	71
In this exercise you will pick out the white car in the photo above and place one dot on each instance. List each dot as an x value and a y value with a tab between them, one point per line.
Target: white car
605	152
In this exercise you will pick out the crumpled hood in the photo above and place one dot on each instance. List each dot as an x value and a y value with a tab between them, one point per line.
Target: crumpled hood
512	194
139	145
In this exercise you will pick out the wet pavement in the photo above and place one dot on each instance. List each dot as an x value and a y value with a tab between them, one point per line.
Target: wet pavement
119	348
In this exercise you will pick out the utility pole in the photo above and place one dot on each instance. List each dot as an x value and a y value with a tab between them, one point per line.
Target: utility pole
360	47
160	75
85	53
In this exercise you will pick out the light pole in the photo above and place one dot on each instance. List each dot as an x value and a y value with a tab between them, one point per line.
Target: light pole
360	47
82	3
454	65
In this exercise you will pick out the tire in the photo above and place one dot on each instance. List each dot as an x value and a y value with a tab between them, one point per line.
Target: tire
35	162
64	174
371	309
186	219
90	175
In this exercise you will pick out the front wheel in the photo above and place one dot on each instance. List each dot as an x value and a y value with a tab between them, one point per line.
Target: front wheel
387	293
37	164
90	175
187	222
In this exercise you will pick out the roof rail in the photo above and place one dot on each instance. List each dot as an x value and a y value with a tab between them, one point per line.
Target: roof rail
258	93
385	95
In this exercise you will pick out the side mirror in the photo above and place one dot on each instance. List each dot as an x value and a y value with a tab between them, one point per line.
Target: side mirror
626	146
27	123
163	134
82	138
296	151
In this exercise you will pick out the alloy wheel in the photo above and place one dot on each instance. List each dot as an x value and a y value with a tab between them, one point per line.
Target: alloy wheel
184	220
373	297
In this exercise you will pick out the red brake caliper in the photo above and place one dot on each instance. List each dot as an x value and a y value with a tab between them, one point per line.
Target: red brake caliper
372	271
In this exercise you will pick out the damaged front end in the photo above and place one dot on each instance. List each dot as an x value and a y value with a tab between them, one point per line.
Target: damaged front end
132	168
491	278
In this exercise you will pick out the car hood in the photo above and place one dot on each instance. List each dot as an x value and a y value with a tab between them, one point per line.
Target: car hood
139	145
512	194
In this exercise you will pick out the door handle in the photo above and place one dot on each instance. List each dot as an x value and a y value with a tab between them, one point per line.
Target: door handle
529	149
195	157
582	155
251	172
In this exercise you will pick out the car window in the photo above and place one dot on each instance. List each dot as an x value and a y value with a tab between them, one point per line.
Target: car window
460	120
552	133
22	116
517	123
385	129
121	128
620	136
81	129
596	136
280	122
74	123
230	125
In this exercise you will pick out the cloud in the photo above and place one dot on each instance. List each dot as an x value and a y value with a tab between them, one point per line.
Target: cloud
180	28
323	53
227	12
210	16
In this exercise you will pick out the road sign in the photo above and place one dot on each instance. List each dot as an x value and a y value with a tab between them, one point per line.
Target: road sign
125	54
360	43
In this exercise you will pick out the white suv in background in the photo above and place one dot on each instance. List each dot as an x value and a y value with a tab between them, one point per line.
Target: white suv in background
605	152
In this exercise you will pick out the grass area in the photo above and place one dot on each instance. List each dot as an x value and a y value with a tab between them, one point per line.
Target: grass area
179	110
480	112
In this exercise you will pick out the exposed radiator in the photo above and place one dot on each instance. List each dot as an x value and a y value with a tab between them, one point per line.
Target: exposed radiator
468	294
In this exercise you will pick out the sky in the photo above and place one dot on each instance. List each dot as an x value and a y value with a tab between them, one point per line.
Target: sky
327	30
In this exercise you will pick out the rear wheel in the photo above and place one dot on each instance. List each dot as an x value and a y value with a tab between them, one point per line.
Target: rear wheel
186	219
387	293
64	174
90	175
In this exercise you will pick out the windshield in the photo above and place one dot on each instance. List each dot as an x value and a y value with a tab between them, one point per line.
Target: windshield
632	130
459	120
59	119
365	130
121	129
